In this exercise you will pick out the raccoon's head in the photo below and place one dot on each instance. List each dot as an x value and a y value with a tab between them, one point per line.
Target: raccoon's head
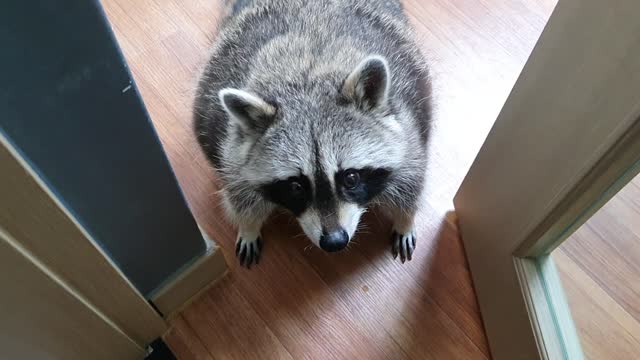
323	149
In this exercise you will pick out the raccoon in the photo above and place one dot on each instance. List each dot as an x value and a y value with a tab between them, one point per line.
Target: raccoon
319	107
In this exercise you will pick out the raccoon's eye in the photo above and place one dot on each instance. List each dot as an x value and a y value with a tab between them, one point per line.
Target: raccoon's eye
295	188
351	179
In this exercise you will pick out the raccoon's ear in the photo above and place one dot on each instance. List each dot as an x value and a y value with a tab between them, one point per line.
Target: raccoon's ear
368	84
251	112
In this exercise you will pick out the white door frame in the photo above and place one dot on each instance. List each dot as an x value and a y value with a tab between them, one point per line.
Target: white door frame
41	227
567	139
42	318
35	222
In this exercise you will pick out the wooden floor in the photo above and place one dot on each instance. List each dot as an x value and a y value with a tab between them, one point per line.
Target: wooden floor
600	270
360	304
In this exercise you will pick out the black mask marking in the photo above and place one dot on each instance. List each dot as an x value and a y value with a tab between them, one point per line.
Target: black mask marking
325	201
288	195
372	182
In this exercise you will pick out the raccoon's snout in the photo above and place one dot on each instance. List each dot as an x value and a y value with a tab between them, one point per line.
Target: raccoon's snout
331	232
334	240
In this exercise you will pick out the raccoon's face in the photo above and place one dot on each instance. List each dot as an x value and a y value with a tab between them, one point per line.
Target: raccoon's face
322	157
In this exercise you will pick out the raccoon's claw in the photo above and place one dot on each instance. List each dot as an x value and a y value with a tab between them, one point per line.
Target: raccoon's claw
248	251
403	244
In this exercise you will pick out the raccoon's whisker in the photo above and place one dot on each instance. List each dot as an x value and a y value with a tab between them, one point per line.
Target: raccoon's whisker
218	206
330	215
363	232
377	215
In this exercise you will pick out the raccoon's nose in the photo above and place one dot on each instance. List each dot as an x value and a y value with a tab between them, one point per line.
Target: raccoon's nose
335	240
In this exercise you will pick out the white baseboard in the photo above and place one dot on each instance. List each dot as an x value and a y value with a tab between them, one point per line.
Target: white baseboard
190	282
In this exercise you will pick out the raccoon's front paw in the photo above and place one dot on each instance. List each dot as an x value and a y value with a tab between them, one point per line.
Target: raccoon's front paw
248	250
403	244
